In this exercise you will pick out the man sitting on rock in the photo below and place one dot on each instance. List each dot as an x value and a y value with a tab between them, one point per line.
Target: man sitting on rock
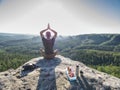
48	42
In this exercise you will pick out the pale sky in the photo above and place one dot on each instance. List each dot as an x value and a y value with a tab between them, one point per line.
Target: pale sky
67	17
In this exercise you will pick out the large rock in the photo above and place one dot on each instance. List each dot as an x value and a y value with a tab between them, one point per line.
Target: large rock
50	75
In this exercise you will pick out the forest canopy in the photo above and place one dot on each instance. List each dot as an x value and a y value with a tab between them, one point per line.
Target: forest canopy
99	51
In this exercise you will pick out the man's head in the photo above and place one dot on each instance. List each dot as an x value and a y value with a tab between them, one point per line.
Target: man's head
48	35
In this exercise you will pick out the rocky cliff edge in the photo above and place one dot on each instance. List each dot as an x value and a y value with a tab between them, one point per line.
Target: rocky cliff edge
50	75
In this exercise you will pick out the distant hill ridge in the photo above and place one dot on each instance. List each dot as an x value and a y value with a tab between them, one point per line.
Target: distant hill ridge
98	39
86	39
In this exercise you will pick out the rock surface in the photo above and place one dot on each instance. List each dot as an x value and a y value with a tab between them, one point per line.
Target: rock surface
50	75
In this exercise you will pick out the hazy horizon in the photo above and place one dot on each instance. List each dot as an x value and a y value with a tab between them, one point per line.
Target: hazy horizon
67	17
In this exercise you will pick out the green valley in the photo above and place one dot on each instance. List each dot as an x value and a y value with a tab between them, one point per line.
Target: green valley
99	51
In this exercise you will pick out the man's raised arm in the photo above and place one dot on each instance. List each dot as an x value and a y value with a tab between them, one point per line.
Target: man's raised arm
41	33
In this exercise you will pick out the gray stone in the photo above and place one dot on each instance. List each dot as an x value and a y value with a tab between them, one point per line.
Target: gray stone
50	75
